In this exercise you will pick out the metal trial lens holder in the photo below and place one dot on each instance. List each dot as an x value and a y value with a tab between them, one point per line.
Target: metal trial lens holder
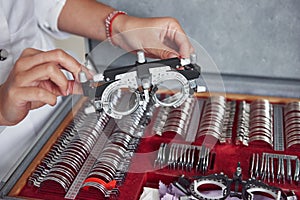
120	91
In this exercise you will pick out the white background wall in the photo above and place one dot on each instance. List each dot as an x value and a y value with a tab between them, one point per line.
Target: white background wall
74	45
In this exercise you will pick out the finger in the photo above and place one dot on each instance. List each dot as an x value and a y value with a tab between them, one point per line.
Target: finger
183	44
48	71
35	94
30	52
162	52
58	56
36	104
177	35
75	88
161	49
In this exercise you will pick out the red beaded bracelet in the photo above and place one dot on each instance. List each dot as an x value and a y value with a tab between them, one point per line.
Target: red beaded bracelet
108	23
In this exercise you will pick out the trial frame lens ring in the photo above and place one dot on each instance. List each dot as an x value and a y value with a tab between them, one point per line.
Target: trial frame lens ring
117	95
179	96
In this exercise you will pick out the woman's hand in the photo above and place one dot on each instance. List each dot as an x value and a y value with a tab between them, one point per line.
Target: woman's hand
157	37
36	80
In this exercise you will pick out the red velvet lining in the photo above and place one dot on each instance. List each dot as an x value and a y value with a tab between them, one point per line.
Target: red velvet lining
227	157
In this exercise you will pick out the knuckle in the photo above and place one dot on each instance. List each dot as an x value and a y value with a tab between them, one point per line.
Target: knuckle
51	69
63	82
40	94
53	102
13	93
18	64
18	79
164	53
43	96
26	51
60	54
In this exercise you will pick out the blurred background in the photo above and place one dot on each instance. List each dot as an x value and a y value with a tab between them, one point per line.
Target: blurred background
255	44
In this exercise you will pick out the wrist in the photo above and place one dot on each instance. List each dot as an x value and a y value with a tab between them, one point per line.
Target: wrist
112	24
120	24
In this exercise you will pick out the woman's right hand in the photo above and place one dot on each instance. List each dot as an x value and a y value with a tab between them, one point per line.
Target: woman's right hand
160	37
35	80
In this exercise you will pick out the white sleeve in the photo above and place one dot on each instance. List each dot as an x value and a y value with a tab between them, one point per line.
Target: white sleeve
47	13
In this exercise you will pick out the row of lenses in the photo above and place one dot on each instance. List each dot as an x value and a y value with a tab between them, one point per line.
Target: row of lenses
242	136
256	123
292	124
228	122
213	117
68	164
110	168
176	120
57	149
261	121
112	164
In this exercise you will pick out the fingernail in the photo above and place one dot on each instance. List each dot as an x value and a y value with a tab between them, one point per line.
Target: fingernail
63	92
172	55
70	88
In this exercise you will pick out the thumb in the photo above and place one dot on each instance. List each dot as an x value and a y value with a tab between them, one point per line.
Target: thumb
167	55
162	52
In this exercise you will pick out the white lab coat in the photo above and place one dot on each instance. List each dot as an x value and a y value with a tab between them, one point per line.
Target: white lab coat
23	24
